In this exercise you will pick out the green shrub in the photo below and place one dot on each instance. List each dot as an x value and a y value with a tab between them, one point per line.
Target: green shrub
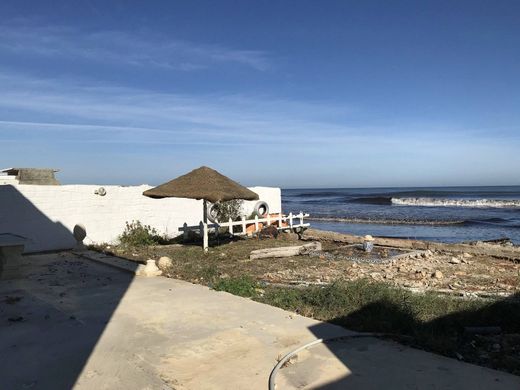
137	234
230	209
226	210
244	286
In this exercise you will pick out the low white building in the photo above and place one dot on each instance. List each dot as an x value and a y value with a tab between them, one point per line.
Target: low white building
46	214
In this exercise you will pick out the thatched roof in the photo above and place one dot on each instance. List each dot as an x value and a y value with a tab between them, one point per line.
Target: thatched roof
40	176
202	183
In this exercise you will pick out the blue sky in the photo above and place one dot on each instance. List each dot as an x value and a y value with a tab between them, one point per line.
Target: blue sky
282	93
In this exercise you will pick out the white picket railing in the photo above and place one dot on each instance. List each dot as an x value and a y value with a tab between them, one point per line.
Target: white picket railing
291	221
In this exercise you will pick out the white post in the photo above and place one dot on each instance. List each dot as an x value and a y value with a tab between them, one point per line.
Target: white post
280	220
243	217
268	219
230	226
205	242
290	220
205	227
256	223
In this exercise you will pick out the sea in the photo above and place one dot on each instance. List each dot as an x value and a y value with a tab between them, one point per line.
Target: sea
445	214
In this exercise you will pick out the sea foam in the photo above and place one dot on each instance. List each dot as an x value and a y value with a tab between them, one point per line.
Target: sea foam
477	203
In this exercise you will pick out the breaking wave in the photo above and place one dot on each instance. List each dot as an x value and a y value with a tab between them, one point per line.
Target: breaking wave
475	203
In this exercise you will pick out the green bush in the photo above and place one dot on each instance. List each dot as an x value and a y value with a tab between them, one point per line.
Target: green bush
244	286
226	210
137	234
230	209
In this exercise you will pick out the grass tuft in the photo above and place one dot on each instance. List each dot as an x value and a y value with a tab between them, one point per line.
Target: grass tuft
428	320
244	286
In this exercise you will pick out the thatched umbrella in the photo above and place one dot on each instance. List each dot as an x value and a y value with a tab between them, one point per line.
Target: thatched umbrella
202	183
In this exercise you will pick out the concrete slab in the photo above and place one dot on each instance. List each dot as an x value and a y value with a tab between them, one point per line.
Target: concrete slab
74	323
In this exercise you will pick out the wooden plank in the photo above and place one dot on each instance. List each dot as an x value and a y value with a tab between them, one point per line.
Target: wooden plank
285	251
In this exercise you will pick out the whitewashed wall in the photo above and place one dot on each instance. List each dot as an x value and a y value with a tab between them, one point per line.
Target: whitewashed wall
47	214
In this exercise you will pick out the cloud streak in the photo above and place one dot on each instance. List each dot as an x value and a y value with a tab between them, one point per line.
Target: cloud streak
290	138
136	49
87	111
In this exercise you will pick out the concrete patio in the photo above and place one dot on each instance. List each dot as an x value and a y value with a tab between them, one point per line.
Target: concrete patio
73	323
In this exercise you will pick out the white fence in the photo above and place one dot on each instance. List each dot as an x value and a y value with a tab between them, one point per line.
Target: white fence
292	222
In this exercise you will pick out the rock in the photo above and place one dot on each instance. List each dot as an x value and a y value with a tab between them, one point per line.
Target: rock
437	275
467	255
268	232
150	269
483	356
164	263
454	260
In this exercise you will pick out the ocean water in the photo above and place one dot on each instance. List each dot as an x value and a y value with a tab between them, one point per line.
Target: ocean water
447	214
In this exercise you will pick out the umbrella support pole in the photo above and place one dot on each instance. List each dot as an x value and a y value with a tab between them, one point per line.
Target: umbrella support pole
205	226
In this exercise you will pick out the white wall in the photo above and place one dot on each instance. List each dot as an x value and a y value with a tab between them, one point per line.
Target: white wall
47	214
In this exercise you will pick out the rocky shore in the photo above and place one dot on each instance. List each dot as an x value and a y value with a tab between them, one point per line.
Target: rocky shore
483	269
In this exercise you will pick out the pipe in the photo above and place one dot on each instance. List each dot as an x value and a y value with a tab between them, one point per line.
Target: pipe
272	376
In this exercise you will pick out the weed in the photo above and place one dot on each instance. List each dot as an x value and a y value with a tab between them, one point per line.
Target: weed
137	234
244	286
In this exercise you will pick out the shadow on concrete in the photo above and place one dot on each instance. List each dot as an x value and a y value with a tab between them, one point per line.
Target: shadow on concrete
52	317
447	335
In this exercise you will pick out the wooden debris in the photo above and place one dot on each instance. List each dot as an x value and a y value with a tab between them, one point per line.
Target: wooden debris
505	252
285	251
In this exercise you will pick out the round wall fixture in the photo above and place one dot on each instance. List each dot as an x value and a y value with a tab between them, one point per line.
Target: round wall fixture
100	191
261	209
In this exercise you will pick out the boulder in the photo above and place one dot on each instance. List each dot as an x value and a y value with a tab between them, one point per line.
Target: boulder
150	269
455	260
164	263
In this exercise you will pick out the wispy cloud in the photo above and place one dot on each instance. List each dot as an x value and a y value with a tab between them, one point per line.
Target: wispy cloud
77	110
286	137
137	49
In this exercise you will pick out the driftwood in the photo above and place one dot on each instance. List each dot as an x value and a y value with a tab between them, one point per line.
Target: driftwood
511	253
497	241
285	251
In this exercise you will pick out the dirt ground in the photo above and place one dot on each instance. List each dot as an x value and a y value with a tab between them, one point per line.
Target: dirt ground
443	271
